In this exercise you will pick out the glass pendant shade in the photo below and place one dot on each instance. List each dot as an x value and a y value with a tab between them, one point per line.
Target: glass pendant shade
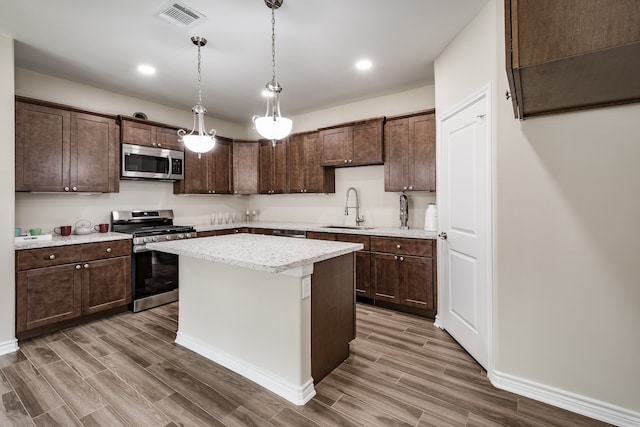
272	125
198	140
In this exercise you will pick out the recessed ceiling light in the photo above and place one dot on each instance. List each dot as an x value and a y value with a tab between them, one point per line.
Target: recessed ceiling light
363	64
146	69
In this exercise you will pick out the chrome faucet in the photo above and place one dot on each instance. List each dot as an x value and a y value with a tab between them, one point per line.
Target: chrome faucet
359	219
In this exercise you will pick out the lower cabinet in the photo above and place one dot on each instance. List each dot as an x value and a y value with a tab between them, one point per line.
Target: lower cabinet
61	283
363	258
403	273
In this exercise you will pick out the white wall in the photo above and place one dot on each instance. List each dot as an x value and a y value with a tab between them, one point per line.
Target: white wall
379	208
566	231
7	188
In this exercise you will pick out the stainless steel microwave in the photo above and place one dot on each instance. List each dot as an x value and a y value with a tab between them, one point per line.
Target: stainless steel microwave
140	162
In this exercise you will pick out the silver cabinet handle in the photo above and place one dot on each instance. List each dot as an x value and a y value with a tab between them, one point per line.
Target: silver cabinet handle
108	250
443	235
78	267
395	257
350	160
86	266
66	188
75	188
411	187
404	188
401	258
346	161
52	257
397	246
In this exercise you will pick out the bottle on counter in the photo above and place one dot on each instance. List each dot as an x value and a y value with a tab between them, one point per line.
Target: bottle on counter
254	214
431	218
247	216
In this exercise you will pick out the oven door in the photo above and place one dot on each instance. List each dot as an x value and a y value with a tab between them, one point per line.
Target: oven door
155	278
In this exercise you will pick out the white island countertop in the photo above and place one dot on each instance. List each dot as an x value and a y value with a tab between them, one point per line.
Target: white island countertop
258	252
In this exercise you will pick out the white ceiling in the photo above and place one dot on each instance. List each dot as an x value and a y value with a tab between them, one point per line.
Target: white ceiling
101	42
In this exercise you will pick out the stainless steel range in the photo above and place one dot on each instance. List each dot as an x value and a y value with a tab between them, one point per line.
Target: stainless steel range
154	274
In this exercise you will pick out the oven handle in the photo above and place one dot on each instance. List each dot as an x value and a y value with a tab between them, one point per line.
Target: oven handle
170	168
141	248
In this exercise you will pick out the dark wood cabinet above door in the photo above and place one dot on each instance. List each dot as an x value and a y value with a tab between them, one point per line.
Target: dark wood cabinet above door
246	156
62	149
273	168
149	134
571	54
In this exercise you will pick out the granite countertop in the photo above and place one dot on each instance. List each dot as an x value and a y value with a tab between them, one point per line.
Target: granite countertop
412	233
267	253
74	239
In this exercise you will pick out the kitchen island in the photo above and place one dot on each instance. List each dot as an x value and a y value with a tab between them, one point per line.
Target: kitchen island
279	311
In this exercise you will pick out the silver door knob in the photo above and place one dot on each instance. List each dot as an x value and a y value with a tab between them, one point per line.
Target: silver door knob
86	266
443	235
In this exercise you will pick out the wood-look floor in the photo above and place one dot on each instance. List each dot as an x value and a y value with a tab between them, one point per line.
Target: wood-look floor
126	371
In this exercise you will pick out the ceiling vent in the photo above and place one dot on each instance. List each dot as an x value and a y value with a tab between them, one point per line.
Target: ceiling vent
179	14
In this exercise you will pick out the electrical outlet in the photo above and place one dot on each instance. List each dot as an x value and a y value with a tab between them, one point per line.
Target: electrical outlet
306	287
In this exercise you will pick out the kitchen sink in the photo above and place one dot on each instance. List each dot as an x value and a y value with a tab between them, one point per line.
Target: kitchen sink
349	227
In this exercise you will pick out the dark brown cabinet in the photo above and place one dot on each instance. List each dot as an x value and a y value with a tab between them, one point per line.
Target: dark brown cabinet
305	173
61	283
273	168
353	144
246	155
150	134
363	258
211	173
572	54
61	149
410	152
403	273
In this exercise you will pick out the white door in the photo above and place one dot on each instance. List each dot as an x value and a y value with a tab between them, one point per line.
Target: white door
464	198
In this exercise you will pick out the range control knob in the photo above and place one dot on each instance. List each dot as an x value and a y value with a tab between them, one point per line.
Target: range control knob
168	237
188	235
146	239
180	236
154	239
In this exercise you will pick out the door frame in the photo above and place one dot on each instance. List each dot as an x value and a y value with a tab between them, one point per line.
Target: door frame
483	92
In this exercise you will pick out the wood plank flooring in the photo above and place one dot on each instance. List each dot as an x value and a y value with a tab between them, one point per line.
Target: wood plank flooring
126	371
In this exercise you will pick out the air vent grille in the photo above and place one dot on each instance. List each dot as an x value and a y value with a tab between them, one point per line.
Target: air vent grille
179	14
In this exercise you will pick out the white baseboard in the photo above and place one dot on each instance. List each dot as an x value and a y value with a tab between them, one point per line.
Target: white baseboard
9	346
298	395
566	400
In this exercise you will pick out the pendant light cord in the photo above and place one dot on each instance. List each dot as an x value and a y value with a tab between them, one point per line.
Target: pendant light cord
199	78
273	42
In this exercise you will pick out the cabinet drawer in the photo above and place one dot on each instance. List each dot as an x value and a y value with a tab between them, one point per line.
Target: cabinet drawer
47	257
415	247
354	238
103	250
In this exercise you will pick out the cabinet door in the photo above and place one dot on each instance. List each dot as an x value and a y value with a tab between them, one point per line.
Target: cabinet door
94	153
296	164
245	167
363	274
106	284
47	295
220	168
422	146
416	278
138	133
336	148
318	179
279	173
266	168
366	141
385	269
396	147
195	174
168	138
42	148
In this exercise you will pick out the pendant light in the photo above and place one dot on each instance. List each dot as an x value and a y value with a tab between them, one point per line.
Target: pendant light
272	125
198	140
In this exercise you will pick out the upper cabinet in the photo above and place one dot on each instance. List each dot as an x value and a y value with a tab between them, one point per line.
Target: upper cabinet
150	134
572	54
273	168
211	173
246	155
410	152
305	174
353	144
62	149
